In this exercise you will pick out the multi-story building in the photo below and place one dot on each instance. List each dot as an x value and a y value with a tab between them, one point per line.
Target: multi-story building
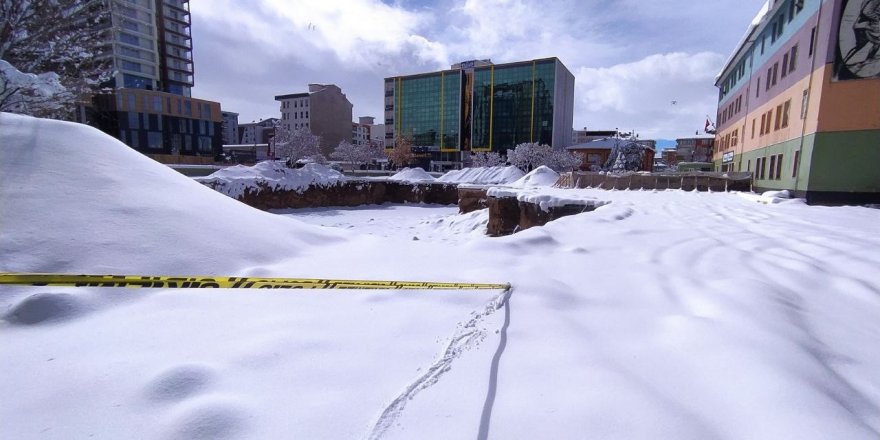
324	110
479	106
584	136
230	128
377	135
361	131
152	109
694	149
257	132
798	101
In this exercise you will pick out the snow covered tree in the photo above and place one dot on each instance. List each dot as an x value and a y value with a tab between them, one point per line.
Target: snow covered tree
297	144
402	153
488	159
627	155
529	155
353	154
563	160
65	37
30	94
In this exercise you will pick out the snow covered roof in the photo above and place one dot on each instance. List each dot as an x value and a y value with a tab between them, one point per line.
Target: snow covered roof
763	12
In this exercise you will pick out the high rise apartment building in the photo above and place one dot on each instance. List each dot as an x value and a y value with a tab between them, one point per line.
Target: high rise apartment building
798	103
479	106
324	110
152	109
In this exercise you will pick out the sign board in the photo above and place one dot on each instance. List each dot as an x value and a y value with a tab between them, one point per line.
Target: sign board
727	157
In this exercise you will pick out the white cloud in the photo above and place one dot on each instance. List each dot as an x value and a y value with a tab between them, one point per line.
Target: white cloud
659	94
247	51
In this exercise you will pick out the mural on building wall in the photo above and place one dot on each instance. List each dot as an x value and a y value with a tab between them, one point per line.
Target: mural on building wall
858	40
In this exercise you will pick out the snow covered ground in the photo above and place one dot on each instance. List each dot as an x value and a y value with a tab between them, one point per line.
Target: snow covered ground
659	315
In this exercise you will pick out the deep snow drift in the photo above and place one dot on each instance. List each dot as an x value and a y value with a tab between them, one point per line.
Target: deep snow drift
483	175
659	315
415	175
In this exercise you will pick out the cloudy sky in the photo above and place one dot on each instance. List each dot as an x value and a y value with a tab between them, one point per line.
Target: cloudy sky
631	59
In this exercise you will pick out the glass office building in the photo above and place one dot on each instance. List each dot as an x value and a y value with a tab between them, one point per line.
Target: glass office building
479	106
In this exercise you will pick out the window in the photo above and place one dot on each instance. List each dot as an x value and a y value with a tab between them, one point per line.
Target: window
785	110
749	165
136	82
804	102
769	76
779	167
778	121
775	68
784	65
753	127
763	123
792	60
157	104
812	40
794	166
769	120
763	40
758	88
772	167
154	140
187	107
734	137
129	39
307	114
133	121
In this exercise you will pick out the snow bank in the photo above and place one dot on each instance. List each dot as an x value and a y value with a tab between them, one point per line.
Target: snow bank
770	197
234	181
415	175
76	200
547	198
541	176
483	175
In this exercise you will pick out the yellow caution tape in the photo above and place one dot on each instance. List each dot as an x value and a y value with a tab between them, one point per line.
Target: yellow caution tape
190	282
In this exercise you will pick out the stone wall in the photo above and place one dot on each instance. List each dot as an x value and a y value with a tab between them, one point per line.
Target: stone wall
350	193
717	182
508	215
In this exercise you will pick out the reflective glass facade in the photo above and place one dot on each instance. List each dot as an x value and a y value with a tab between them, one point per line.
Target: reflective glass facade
427	109
482	108
513	104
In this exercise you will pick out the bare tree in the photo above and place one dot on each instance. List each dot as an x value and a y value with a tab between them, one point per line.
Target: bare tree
65	37
488	159
402	153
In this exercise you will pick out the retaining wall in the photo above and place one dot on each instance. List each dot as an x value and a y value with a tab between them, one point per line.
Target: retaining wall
349	193
699	181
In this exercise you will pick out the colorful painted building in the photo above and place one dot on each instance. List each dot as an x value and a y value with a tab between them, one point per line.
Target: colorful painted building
799	101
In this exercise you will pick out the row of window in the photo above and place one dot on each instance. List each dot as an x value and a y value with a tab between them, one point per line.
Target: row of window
774	31
155	141
296	103
296	115
154	103
147	121
732	109
774	170
789	63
